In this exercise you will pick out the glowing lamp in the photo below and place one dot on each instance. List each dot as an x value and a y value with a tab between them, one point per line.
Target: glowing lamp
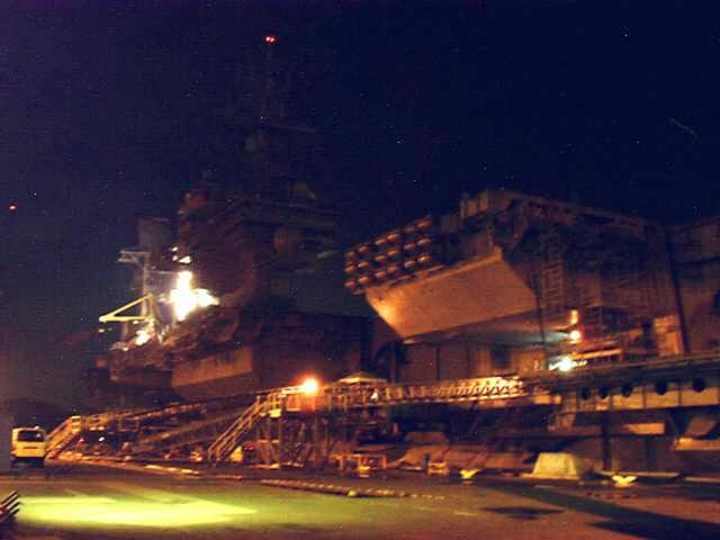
143	336
575	335
270	39
185	298
310	386
566	364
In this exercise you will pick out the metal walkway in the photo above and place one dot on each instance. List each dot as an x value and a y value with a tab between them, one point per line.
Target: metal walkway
682	382
199	422
340	398
69	430
193	433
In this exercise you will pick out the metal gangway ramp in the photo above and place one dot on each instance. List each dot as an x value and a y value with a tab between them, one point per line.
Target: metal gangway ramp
285	422
197	432
68	431
491	392
210	418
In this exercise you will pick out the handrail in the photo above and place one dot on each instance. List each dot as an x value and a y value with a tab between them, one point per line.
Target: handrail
224	445
9	507
185	434
344	397
63	434
340	396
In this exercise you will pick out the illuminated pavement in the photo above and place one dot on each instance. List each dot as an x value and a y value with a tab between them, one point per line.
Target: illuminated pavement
96	504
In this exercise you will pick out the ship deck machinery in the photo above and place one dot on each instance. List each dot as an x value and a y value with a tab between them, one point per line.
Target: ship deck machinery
471	301
519	285
262	243
282	309
512	283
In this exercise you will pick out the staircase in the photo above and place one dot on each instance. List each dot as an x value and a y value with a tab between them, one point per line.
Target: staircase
69	430
197	432
342	398
227	422
177	410
63	435
226	443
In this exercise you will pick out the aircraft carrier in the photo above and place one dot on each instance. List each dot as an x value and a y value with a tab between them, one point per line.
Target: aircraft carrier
515	322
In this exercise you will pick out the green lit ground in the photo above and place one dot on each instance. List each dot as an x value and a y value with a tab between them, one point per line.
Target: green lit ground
102	505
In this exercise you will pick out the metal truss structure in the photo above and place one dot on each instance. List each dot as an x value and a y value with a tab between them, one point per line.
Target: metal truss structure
291	426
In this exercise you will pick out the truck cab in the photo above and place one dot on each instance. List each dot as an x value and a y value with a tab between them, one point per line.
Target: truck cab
28	445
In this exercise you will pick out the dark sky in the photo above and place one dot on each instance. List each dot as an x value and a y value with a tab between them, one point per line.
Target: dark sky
109	110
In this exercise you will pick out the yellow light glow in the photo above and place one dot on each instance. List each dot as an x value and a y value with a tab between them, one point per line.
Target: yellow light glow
566	364
310	386
185	299
142	336
575	336
88	511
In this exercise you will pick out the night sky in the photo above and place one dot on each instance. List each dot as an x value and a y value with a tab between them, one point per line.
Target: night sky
110	110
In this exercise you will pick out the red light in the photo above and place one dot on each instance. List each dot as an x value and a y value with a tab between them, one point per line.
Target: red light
270	39
12	207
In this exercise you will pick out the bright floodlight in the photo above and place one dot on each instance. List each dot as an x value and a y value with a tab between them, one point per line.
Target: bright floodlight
143	336
185	299
575	335
566	364
310	386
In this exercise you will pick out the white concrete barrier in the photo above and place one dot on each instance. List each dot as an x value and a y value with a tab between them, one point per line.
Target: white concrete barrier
559	466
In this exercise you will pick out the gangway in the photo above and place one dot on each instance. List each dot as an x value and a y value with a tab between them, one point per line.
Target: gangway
174	410
193	433
492	391
226	443
70	429
293	425
63	435
339	397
